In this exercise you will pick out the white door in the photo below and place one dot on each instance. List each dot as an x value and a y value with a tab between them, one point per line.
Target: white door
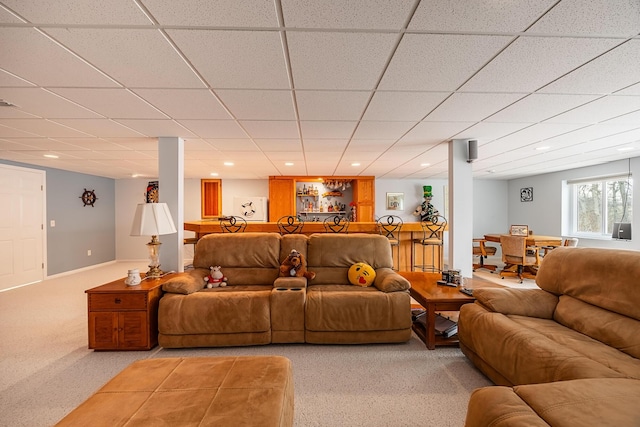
21	226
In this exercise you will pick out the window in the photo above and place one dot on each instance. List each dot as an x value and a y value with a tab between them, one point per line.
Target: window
598	203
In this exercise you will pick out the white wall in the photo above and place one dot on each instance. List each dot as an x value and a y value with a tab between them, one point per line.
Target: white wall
544	214
413	196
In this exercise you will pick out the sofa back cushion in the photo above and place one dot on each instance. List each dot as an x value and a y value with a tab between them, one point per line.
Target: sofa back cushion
293	241
245	258
331	255
606	278
613	329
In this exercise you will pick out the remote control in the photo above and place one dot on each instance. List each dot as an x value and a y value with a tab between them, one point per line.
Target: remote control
467	291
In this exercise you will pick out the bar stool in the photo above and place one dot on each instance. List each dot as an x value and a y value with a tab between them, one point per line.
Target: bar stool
233	224
190	241
336	224
390	227
432	236
290	225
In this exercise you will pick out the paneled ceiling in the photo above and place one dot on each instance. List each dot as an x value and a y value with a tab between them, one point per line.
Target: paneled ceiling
319	87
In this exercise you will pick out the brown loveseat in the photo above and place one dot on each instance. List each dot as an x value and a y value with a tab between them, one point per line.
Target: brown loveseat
571	350
258	307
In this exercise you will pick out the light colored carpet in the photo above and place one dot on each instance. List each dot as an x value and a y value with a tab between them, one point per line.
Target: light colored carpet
46	369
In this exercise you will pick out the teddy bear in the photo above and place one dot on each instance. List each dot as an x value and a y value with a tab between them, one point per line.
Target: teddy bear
215	278
294	265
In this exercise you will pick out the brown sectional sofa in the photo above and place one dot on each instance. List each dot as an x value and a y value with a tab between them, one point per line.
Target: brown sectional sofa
258	307
568	353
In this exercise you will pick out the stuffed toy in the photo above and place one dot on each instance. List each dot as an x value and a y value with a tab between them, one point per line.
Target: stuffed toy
294	265
215	278
361	274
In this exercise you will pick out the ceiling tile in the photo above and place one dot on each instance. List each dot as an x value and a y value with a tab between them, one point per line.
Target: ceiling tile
532	62
631	90
157	128
471	106
620	65
382	130
111	103
403	106
331	105
488	131
46	144
418	61
271	129
327	129
324	145
185	103
434	132
353	14
538	107
213	129
237	144
338	60
35	66
128	55
601	109
10	132
279	145
99	127
9	80
235	59
41	127
104	12
219	13
478	15
589	17
258	104
42	103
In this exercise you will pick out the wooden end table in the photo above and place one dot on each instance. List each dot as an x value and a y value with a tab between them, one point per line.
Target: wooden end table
124	317
434	298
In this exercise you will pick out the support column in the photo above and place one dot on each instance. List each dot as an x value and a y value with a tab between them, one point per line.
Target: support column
460	219
171	192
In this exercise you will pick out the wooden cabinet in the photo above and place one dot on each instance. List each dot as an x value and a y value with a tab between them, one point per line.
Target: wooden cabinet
124	317
211	198
282	195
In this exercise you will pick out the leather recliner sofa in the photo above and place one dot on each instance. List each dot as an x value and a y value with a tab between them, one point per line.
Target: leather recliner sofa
259	307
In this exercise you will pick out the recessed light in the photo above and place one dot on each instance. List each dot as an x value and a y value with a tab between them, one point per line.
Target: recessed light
491	171
214	174
543	148
355	164
626	148
51	156
425	164
228	163
288	164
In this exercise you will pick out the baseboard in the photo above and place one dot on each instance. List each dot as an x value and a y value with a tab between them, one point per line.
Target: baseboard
79	270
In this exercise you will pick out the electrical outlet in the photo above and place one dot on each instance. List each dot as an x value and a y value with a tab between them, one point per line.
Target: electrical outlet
53	223
89	252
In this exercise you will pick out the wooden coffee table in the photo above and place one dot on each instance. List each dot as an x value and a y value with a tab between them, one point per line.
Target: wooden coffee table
435	298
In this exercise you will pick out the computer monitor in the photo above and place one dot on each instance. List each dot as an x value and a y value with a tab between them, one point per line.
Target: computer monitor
621	230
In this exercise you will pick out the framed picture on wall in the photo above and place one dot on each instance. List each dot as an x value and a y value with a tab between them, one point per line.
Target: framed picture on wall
526	194
395	201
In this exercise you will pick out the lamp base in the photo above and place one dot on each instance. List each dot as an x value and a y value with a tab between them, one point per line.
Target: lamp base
154	272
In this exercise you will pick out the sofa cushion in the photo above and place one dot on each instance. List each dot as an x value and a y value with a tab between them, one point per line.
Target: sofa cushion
186	283
606	278
354	308
245	258
585	402
235	309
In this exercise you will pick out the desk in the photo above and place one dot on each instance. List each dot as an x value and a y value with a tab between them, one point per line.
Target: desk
532	240
410	231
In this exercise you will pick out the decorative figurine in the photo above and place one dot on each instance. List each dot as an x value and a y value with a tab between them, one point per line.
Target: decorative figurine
426	211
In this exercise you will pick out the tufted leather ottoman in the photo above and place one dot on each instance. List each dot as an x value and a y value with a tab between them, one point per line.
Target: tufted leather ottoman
198	391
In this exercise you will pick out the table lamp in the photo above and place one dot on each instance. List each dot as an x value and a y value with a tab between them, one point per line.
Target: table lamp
153	219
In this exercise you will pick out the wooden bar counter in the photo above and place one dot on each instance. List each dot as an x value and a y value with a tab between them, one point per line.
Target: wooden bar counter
410	231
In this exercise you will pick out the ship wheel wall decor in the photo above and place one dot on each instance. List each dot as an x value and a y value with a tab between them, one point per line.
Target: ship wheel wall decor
88	197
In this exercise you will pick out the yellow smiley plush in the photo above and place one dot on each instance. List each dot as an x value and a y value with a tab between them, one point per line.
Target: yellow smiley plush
361	274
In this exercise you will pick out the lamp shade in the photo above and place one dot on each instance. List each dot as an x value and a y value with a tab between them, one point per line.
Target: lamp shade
152	219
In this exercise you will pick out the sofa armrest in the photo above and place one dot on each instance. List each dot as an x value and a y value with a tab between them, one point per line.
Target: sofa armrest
523	302
388	280
290	282
186	283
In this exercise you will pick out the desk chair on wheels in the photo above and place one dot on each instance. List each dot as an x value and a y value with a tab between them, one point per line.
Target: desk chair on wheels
432	236
390	227
482	250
